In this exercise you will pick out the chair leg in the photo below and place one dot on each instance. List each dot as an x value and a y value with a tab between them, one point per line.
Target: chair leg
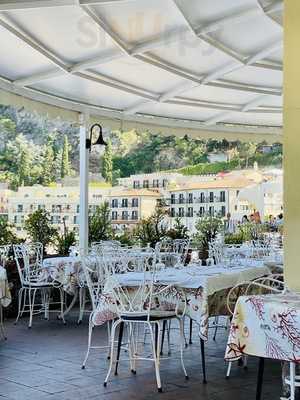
131	347
169	336
113	332
216	327
62	316
155	350
109	323
292	380
191	331
2	323
163	337
203	360
182	346
228	370
260	378
81	304
31	306
89	342
20	297
27	291
119	346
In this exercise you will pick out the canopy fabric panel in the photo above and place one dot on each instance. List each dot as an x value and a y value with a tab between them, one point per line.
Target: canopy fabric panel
202	66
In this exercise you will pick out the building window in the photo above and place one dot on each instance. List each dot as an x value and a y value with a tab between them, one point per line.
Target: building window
172	198
114	215
165	183
75	220
211	197
78	208
134	215
114	203
135	202
190	198
181	198
146	184
20	208
172	213
202	199
201	211
124	203
136	184
222	196
223	211
211	211
124	215
190	212
155	183
15	219
181	212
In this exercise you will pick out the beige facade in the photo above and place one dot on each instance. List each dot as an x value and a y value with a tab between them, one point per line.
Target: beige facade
61	202
129	206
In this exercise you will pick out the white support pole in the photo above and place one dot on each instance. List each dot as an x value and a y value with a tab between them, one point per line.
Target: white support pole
84	185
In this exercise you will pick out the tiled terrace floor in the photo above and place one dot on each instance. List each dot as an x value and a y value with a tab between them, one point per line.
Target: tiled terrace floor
45	363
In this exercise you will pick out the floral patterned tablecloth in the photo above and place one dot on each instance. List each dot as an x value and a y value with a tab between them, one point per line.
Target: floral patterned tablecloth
5	296
65	270
205	290
266	326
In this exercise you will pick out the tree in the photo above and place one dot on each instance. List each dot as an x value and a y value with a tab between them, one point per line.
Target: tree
48	165
7	235
100	227
107	165
179	230
152	229
65	164
18	158
38	226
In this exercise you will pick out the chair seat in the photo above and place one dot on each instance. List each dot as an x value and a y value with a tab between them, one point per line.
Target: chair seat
38	285
155	315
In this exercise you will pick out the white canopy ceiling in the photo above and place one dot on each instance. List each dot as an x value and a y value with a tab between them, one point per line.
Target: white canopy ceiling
208	64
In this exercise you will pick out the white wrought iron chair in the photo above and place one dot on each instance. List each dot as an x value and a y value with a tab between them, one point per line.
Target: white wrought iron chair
4	251
136	306
95	275
29	258
171	252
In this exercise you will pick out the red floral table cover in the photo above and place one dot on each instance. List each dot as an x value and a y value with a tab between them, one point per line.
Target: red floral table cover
266	326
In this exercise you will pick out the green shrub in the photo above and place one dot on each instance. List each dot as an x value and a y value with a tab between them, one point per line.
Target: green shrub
65	241
100	227
38	226
207	230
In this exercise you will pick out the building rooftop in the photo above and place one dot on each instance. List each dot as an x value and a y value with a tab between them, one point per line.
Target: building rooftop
215	184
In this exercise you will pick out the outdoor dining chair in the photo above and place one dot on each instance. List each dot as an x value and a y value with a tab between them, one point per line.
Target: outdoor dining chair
34	279
136	306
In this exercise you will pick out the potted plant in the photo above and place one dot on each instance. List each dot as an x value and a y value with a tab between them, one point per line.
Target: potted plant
38	226
207	230
152	229
100	227
65	241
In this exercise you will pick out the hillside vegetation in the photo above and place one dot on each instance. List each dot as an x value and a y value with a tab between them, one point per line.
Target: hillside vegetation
35	149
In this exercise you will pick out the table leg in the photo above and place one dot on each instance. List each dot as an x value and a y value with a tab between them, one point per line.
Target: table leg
203	360
119	346
72	304
163	337
191	331
260	377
